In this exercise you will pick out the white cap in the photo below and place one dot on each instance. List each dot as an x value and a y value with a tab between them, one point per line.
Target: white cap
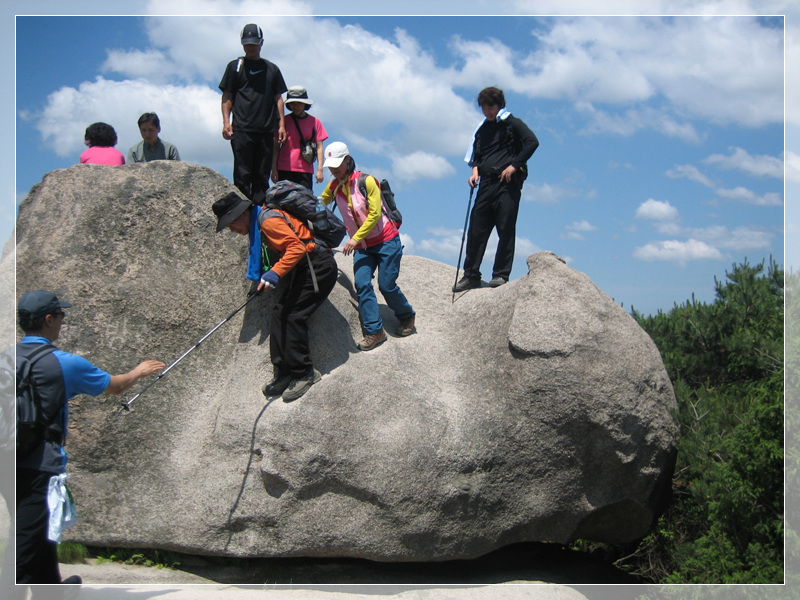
335	153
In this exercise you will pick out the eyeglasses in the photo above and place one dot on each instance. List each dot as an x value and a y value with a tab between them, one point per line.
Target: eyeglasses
59	313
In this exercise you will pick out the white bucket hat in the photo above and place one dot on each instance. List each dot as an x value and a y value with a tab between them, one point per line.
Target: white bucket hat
297	93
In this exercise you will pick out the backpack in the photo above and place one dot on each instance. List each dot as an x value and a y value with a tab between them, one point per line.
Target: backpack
32	421
298	201
387	199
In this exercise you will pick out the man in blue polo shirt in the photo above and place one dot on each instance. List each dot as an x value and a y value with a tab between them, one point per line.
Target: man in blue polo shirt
58	376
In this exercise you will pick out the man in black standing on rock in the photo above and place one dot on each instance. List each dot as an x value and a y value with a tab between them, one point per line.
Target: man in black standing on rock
251	92
498	156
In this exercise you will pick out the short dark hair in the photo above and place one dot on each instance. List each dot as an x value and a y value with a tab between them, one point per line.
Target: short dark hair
150	117
29	325
492	96
101	134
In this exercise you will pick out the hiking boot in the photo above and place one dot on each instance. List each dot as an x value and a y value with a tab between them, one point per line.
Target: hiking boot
467	283
497	282
405	327
72	580
372	340
277	386
300	386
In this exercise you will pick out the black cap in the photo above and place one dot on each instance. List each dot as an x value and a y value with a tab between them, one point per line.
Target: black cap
39	303
251	34
228	208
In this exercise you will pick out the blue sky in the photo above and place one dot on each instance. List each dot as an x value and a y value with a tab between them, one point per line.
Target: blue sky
662	138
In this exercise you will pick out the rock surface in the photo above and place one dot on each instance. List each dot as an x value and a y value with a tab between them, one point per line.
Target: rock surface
538	411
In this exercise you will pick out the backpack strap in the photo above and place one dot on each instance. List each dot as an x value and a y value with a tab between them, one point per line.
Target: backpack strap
362	187
300	133
40	352
271	211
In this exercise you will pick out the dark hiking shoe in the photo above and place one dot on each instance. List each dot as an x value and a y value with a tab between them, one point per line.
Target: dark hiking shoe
372	340
405	327
277	386
300	386
467	283
72	580
497	282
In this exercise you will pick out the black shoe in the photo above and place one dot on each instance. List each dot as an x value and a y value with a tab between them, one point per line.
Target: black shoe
467	283
72	580
300	385
497	282
277	386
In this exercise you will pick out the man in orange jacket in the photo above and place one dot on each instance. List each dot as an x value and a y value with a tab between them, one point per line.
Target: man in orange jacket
290	238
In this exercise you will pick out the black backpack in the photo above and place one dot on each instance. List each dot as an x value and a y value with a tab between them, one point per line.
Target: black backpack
387	199
32	420
298	201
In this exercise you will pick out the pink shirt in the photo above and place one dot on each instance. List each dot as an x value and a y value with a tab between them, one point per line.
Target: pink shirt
289	158
103	155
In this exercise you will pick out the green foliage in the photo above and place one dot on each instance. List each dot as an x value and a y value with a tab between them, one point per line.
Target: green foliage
71	553
726	521
150	557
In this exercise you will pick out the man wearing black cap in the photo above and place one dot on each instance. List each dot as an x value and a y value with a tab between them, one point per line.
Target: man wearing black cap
58	376
309	272
252	89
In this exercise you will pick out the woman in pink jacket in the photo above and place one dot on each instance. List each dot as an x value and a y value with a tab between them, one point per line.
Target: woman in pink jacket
101	139
374	242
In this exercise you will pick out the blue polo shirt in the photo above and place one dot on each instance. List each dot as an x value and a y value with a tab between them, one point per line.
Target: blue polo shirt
78	376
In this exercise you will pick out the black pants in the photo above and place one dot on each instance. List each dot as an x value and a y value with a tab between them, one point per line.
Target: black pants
288	340
252	160
299	177
37	556
496	206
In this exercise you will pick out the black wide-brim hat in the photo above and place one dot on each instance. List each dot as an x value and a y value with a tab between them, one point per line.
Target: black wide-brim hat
229	208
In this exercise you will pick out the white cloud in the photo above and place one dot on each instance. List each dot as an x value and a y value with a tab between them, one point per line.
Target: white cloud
445	243
690	172
742	238
760	166
793	167
655	210
548	193
742	194
421	165
677	251
391	91
634	120
581	226
524	248
724	69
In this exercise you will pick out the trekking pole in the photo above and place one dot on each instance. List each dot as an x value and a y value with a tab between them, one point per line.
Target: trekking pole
463	237
126	406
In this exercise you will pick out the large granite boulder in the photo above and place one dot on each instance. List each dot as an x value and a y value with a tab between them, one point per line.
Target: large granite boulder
538	411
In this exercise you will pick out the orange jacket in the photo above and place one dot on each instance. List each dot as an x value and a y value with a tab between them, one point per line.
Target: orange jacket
280	238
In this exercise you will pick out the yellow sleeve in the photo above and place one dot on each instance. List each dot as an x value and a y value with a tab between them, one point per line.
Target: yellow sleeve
327	194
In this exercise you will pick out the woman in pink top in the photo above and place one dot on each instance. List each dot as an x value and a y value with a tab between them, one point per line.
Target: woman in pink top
287	158
101	139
